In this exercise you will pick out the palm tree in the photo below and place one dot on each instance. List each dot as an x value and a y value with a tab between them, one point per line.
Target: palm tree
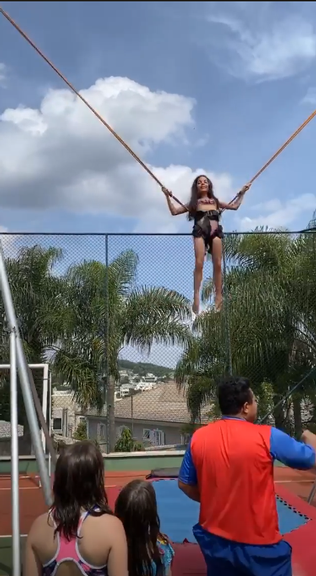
268	323
36	293
106	311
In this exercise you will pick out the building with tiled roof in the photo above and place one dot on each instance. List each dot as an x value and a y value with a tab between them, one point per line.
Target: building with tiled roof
156	417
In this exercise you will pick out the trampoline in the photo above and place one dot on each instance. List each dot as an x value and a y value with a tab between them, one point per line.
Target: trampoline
178	514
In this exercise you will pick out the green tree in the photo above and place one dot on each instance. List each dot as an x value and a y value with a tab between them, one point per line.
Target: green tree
37	293
106	311
81	431
267	327
126	443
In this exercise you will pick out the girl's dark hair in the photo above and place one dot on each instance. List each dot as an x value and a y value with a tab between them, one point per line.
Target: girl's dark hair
136	507
195	195
78	485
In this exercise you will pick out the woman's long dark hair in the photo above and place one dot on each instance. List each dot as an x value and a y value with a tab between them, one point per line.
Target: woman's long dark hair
136	507
195	195
78	486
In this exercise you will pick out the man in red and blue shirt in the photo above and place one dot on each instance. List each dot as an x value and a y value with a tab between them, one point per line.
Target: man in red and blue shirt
228	468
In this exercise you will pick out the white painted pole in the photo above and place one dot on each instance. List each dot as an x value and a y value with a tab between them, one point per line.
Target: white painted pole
16	560
44	402
24	381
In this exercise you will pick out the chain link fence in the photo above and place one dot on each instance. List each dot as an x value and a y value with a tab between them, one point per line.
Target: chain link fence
111	314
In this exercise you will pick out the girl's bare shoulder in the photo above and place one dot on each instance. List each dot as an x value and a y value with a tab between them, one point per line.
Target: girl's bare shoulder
106	526
111	519
40	525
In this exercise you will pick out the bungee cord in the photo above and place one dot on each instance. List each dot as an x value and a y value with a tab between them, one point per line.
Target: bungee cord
93	110
147	169
276	154
126	146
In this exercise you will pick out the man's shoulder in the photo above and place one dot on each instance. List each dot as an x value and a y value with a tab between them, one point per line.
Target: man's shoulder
207	429
213	427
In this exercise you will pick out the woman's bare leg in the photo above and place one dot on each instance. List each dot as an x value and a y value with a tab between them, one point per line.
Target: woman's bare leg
217	271
199	251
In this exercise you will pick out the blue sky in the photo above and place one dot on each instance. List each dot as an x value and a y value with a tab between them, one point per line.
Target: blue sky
193	87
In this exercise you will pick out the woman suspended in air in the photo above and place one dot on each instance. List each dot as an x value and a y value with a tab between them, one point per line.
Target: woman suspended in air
204	208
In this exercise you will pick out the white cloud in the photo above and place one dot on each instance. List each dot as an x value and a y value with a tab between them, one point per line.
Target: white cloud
2	74
254	45
60	157
310	97
277	214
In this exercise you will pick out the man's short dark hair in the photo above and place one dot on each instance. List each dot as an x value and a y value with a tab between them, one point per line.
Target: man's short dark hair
233	393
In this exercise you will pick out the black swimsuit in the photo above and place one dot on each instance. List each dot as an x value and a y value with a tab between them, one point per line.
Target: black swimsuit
207	226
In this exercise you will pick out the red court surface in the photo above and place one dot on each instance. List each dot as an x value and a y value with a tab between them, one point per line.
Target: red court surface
296	482
32	501
291	486
189	560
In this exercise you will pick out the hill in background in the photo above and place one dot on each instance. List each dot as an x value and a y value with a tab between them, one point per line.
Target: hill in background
143	368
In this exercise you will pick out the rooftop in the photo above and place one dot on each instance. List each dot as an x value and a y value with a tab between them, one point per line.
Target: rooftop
163	403
5	429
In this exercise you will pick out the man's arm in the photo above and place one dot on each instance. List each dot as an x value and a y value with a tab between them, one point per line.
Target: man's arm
297	455
187	480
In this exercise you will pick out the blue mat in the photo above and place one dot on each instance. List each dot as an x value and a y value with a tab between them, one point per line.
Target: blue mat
178	514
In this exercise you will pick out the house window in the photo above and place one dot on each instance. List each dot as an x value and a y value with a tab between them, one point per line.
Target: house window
146	435
155	437
185	439
101	431
159	438
57	425
60	422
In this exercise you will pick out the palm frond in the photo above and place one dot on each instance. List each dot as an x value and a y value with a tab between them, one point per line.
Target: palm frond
156	315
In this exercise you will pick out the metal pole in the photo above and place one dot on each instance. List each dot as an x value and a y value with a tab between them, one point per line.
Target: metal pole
24	381
50	421
287	395
44	403
312	494
227	316
107	347
132	412
39	413
16	561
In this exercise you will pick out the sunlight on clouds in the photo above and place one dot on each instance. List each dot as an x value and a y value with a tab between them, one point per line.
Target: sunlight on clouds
256	45
58	156
280	214
310	97
25	119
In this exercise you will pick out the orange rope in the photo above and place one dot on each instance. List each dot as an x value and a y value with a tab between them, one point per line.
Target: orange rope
26	37
289	140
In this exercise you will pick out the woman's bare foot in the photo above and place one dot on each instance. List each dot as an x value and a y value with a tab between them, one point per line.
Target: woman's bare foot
218	302
196	304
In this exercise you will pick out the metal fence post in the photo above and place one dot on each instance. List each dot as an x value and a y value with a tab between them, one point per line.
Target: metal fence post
15	497
227	314
25	381
106	380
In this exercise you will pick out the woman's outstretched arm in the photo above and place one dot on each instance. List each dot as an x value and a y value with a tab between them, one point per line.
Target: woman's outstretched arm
235	205
173	210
